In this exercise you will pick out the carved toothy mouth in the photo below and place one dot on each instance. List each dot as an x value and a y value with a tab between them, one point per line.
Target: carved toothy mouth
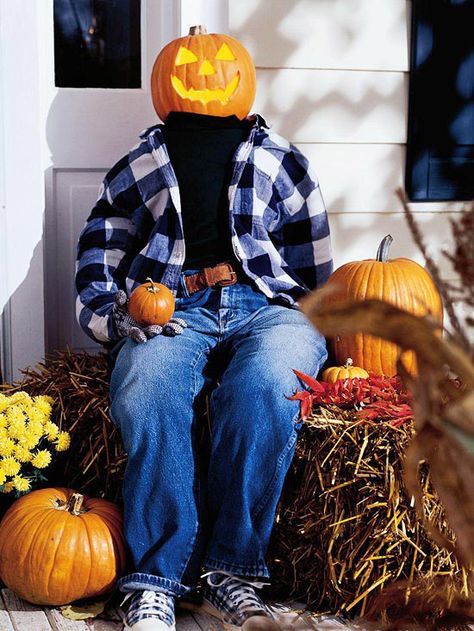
206	96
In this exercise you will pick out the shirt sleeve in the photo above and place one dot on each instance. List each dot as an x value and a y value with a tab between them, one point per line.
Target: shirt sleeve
106	246
302	234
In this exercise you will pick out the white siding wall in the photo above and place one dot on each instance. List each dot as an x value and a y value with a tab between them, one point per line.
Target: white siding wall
332	77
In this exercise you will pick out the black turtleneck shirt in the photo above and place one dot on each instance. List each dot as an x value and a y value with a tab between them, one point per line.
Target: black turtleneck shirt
201	149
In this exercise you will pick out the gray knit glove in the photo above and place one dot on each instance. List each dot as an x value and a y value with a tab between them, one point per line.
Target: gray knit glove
127	326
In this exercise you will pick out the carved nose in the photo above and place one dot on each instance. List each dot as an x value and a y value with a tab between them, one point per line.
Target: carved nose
206	68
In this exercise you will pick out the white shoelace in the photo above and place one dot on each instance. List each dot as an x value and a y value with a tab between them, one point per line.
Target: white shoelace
148	596
242	595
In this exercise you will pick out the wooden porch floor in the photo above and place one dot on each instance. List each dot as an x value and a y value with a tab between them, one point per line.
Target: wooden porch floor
18	615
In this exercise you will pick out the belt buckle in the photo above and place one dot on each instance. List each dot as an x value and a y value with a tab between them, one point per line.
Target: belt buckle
231	281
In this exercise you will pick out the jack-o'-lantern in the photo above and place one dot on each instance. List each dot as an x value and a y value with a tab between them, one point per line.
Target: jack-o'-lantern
204	74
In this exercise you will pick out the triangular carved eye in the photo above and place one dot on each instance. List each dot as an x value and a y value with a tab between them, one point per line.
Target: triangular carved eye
185	56
225	54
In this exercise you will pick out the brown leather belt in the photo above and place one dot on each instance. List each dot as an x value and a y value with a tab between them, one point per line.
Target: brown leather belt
222	274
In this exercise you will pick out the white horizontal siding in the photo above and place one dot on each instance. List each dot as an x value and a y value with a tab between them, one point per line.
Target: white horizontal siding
356	236
334	106
357	34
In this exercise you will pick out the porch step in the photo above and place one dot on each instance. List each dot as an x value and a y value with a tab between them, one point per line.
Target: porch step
18	615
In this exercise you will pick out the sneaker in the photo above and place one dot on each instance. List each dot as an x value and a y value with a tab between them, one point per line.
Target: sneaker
149	611
234	601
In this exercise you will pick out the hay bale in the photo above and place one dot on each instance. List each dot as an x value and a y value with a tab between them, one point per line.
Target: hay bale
345	528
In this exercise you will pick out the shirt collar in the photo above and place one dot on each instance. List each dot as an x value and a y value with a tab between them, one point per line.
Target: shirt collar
258	123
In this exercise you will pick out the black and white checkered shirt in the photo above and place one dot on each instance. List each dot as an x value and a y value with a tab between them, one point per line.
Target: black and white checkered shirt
278	221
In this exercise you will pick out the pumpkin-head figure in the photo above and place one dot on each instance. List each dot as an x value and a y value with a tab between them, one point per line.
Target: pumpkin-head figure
203	74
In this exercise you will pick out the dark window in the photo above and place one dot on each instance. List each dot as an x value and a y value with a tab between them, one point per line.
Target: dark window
97	43
440	150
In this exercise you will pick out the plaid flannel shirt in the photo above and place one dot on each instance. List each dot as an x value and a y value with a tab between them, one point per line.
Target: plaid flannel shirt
278	220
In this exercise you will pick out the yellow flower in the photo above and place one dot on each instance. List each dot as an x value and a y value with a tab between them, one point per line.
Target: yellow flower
3	476
3	402
44	403
17	425
51	430
3	420
3	433
37	416
63	441
7	446
41	458
29	440
10	465
35	427
7	487
21	484
22	454
21	395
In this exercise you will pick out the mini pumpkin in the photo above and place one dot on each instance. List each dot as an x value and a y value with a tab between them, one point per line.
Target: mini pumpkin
203	73
71	546
401	282
334	373
151	303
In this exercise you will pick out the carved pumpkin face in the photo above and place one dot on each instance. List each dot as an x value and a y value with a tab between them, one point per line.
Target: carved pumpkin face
204	74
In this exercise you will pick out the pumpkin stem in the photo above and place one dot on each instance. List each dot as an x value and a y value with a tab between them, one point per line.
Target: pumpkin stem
153	288
348	363
74	504
384	249
198	30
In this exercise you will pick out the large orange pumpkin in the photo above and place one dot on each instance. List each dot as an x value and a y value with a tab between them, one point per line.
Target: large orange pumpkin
57	546
151	303
401	282
204	74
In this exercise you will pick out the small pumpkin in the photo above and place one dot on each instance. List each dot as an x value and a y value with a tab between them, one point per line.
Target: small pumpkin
400	282
57	546
334	373
203	73
151	303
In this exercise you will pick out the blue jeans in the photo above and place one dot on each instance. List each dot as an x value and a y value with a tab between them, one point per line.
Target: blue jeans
239	349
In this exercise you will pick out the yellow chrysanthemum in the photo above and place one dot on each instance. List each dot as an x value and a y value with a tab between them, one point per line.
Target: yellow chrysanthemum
21	395
7	487
3	420
41	458
22	454
3	402
17	429
21	484
3	476
13	413
10	465
3	433
29	441
7	446
35	427
63	441
44	403
37	416
51	430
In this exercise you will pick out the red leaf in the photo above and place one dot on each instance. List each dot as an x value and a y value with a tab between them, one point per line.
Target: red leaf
313	383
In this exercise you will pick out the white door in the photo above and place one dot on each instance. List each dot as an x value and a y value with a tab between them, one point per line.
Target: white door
87	131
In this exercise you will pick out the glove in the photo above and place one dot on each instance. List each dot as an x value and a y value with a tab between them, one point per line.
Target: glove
127	326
